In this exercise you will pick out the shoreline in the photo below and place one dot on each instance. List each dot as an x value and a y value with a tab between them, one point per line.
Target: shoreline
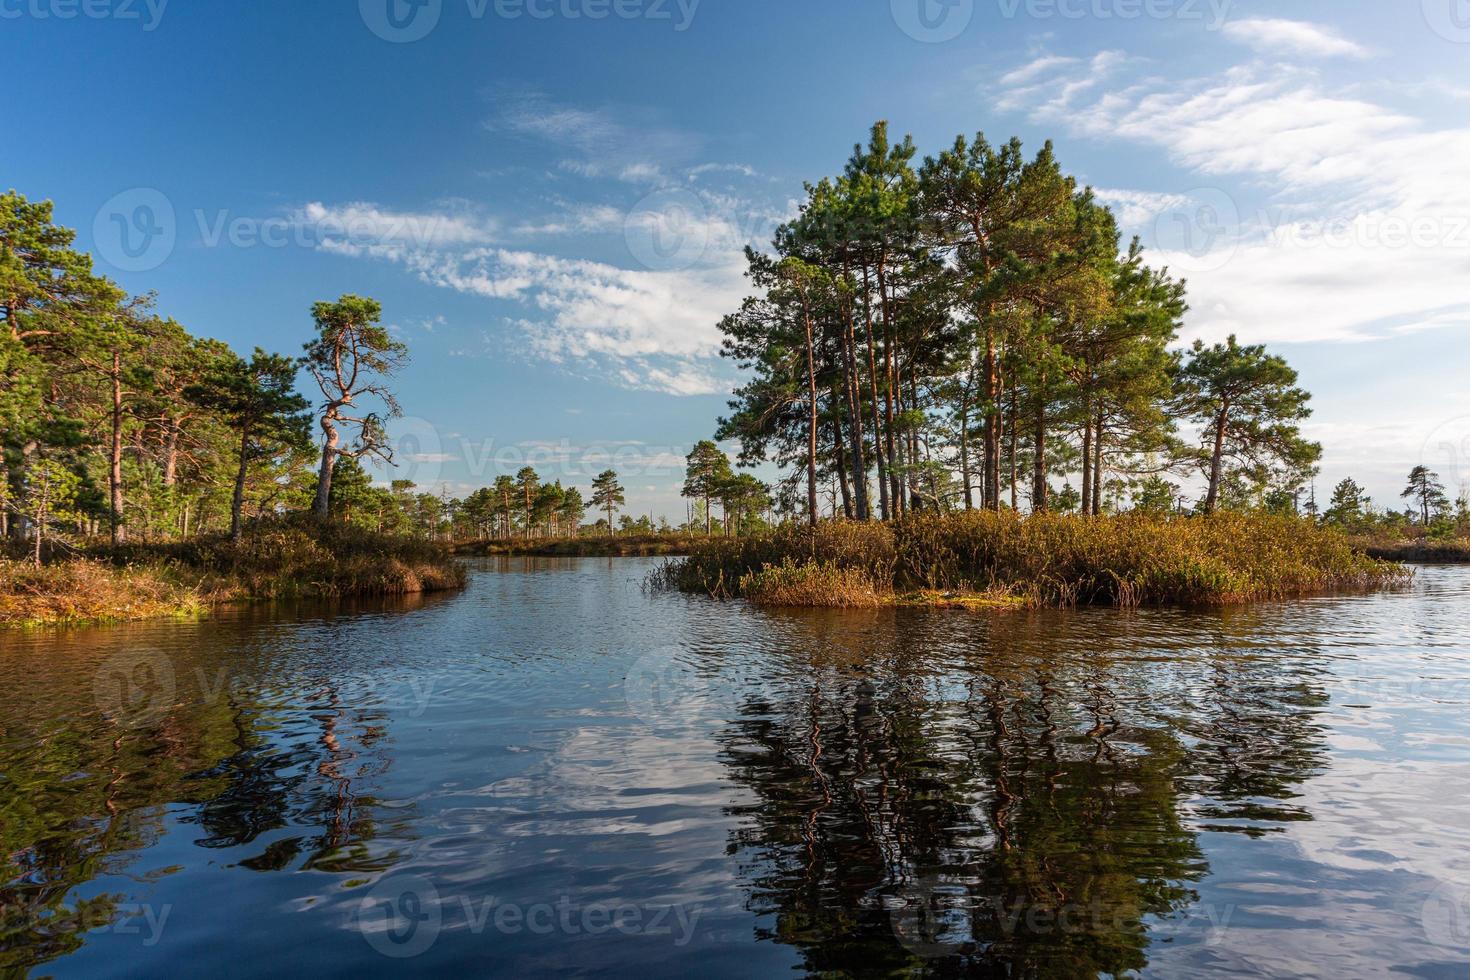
1455	552
640	546
278	559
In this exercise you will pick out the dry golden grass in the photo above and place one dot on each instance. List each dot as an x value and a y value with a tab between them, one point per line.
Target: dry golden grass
813	584
1043	560
86	591
278	559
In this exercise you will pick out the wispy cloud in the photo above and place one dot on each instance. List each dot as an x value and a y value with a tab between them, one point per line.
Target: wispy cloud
1324	217
621	144
1277	36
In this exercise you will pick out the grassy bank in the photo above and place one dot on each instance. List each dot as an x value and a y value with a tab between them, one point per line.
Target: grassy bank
985	559
1420	549
590	546
281	559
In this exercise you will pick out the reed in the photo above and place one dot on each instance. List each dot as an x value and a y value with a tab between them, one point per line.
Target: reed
1040	560
280	558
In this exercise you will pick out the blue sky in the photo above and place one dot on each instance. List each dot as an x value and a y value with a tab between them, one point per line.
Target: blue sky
550	204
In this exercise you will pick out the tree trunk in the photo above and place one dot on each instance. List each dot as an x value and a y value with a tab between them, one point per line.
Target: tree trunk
884	506
1087	460
329	462
847	504
171	454
965	475
237	502
1216	458
1013	444
895	455
811	428
992	422
1097	467
1038	436
854	417
114	475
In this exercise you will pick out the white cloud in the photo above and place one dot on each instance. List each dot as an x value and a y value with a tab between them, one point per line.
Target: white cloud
742	169
640	328
578	219
359	227
1276	35
1333	218
1136	208
1032	70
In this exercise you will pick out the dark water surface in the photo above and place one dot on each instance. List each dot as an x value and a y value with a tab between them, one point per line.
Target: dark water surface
556	772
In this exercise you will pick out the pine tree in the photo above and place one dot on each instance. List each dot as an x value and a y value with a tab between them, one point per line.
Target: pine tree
351	357
1249	409
607	495
1427	491
706	473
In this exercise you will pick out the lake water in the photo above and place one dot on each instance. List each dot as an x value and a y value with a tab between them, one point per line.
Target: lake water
554	771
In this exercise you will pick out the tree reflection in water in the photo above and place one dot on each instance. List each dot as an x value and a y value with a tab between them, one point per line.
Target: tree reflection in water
1020	803
87	789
